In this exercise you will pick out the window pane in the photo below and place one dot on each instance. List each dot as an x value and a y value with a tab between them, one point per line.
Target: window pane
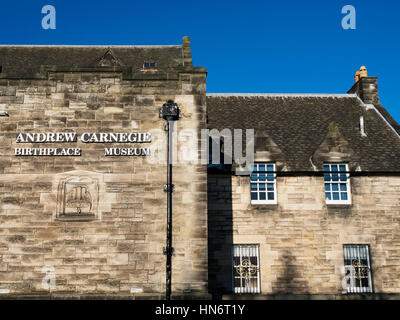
364	283
253	282
270	167
254	196
328	196
327	187
262	196
253	177
344	196
327	177
336	196
254	187
262	186
342	168
270	187
326	168
236	262
334	167
237	282
343	177
343	187
335	187
335	177
270	177
270	196
261	167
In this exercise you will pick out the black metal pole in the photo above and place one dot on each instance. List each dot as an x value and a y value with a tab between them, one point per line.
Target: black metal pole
171	113
169	213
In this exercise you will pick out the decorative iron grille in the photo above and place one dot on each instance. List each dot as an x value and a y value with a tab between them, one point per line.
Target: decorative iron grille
246	269
357	268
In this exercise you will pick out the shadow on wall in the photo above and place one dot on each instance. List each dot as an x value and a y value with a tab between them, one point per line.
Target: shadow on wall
288	276
220	234
220	243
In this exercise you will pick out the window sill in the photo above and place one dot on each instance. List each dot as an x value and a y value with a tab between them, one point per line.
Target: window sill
261	203
338	204
76	217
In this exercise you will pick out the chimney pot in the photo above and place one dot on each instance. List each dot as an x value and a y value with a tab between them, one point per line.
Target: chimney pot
365	87
363	72
357	76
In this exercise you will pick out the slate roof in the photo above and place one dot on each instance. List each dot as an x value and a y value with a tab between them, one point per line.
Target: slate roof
298	125
388	117
26	61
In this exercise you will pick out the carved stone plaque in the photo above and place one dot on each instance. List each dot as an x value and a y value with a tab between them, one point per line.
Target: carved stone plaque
78	195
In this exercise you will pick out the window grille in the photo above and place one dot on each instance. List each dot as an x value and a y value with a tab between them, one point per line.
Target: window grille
337	184
246	269
357	267
263	184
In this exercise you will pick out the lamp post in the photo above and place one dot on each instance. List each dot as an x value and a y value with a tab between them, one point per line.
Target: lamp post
171	113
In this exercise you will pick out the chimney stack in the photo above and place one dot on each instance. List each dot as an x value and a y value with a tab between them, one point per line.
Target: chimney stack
187	53
365	87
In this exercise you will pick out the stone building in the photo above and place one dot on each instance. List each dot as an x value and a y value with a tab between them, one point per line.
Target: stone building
82	174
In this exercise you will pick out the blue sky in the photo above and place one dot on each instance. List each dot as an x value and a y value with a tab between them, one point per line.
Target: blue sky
246	46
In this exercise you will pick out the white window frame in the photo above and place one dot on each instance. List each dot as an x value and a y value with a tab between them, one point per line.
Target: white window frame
348	185
266	201
353	276
245	251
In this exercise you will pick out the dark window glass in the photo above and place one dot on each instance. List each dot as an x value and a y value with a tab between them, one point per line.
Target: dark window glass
148	65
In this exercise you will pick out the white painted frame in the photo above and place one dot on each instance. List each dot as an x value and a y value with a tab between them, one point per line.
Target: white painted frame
348	186
357	251
266	201
246	251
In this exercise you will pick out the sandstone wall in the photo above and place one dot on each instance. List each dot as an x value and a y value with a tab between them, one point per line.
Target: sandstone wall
121	250
301	239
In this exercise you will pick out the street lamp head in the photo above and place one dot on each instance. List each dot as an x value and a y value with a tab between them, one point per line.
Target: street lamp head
170	111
